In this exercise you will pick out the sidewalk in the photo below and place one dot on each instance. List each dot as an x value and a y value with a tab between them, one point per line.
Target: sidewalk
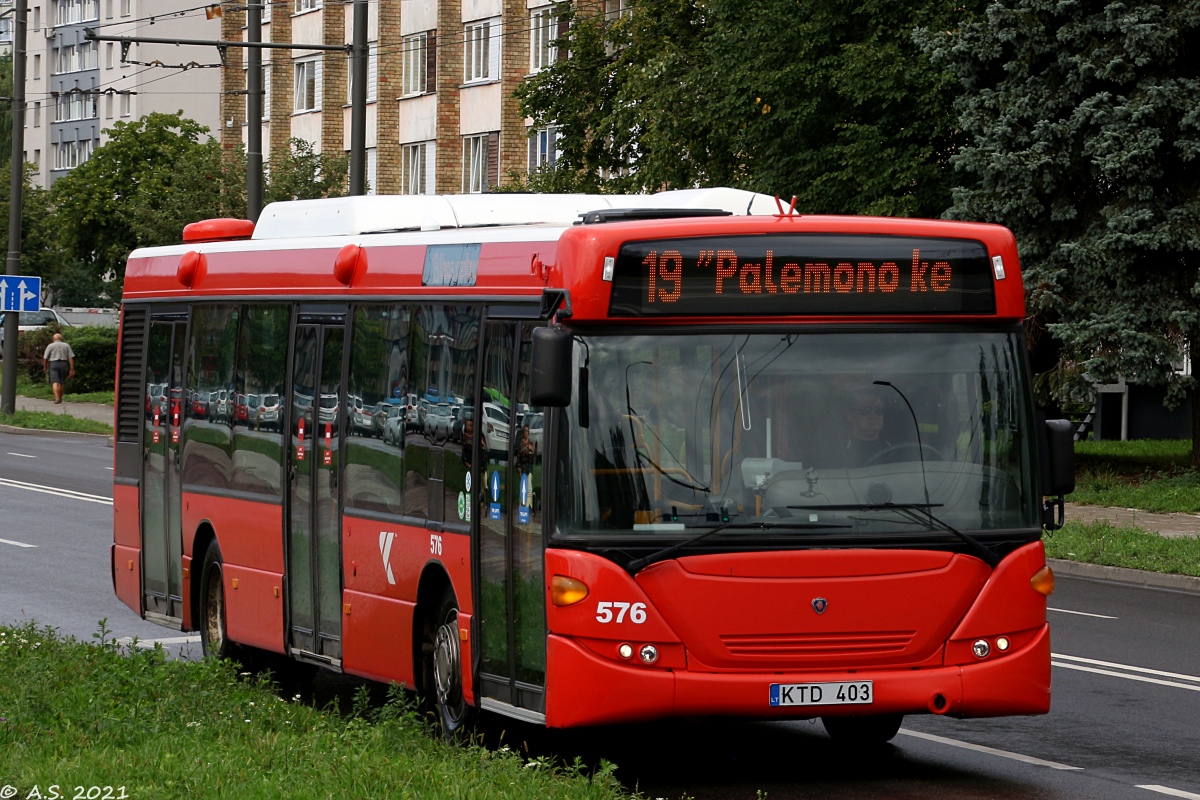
98	412
1171	525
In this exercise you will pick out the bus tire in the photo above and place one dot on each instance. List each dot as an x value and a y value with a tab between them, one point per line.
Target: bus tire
214	637
441	668
863	731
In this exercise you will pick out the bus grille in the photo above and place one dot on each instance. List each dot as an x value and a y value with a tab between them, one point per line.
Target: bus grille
817	644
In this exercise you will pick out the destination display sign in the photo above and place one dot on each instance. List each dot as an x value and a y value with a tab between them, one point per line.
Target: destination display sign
802	274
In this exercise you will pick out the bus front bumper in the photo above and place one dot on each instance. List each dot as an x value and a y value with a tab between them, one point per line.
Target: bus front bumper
583	688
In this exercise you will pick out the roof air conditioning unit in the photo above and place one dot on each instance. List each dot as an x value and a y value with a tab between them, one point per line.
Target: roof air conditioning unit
49	32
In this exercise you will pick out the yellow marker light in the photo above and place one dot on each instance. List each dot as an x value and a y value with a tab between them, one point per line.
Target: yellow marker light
1043	581
566	591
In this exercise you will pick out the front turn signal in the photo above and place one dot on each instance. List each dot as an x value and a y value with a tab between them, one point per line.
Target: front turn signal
566	591
1043	581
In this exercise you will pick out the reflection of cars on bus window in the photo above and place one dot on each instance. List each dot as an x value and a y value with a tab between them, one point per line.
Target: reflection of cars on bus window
265	413
438	420
394	425
495	428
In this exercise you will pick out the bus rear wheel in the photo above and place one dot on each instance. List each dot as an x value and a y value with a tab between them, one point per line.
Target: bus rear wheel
441	668
863	731
214	640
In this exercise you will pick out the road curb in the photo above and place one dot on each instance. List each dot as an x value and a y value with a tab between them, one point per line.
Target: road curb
1131	577
50	432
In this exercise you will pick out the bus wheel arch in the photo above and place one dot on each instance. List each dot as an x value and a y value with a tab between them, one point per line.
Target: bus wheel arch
437	654
204	537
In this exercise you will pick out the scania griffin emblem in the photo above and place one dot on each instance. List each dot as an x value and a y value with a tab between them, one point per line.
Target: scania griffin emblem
819	604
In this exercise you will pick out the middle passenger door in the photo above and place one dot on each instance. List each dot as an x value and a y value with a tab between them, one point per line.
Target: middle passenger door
313	530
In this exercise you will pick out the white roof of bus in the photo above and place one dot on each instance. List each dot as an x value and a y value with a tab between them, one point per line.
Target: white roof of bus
348	216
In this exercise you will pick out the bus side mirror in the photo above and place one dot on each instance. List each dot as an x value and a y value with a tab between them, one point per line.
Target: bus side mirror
1058	464
550	368
1060	440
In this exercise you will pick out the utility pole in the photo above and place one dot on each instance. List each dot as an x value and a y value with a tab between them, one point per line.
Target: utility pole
358	101
254	109
16	197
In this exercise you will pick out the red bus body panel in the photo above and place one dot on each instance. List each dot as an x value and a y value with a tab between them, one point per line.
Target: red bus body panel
377	627
127	546
250	535
727	626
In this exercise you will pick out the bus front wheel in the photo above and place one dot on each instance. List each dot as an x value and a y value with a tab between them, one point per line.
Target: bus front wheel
441	667
863	731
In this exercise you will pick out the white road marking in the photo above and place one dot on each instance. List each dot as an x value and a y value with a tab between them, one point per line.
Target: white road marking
16	544
22	455
1179	675
148	644
1040	762
68	493
1080	613
1110	673
1167	790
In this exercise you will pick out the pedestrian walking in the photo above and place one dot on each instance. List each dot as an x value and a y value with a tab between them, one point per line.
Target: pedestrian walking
59	363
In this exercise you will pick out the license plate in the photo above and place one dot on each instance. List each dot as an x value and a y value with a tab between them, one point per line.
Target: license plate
822	694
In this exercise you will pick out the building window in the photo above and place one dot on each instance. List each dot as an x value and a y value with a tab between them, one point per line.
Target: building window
480	162
306	86
68	155
37	115
414	177
37	67
543	29
416	63
265	13
74	105
307	5
69	12
125	8
125	104
543	148
481	56
108	55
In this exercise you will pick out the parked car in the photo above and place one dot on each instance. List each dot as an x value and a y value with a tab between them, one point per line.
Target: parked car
263	411
438	420
495	428
362	420
32	320
394	426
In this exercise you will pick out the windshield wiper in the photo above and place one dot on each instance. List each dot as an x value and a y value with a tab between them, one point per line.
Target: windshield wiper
635	566
920	513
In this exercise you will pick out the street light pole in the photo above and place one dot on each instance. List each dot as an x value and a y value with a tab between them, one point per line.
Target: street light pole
8	395
358	101
254	108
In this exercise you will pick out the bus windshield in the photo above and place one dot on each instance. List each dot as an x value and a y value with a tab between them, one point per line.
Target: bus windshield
788	431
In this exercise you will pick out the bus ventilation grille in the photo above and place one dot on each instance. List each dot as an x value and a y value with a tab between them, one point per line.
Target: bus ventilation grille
129	389
817	644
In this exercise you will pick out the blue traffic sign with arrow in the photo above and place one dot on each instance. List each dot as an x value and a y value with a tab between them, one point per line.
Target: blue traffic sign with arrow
19	293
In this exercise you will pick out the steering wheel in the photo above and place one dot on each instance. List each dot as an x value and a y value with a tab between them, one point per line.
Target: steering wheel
929	452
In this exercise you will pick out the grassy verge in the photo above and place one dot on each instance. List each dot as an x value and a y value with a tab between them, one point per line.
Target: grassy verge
43	391
1153	475
1133	548
74	714
49	421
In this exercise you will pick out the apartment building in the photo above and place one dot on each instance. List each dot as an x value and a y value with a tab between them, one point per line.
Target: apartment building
75	89
441	117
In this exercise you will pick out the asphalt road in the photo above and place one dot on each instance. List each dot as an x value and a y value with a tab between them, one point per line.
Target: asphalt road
1125	721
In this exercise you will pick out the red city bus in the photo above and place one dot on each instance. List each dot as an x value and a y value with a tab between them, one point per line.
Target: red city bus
711	457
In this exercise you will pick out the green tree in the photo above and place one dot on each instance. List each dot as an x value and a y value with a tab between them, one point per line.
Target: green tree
1084	135
41	247
103	204
302	174
832	102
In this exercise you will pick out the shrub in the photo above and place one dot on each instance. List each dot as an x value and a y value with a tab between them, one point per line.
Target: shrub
95	348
